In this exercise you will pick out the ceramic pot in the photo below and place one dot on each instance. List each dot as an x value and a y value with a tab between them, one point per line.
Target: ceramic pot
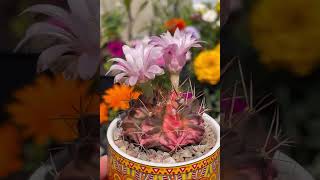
124	167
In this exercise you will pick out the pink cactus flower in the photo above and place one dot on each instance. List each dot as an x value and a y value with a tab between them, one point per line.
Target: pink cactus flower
140	65
175	49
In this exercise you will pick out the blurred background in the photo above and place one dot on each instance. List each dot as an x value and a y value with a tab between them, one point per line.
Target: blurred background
38	112
276	43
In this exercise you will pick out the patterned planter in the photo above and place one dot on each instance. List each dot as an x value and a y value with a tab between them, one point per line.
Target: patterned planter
124	167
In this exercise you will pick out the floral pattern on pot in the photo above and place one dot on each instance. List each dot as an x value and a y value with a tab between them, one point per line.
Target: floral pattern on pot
123	169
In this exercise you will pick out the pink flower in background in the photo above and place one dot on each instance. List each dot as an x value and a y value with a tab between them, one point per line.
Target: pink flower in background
115	48
175	49
139	66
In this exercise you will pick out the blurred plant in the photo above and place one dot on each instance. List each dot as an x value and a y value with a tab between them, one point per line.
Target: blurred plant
131	18
284	42
56	103
207	66
78	33
208	12
253	142
10	150
111	26
246	155
163	11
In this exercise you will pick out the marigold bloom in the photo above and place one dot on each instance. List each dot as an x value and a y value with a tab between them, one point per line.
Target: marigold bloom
10	150
54	104
119	96
207	66
288	41
176	23
103	113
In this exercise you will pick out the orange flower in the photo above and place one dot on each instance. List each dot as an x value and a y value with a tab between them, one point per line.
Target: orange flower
119	96
49	108
10	150
175	23
103	113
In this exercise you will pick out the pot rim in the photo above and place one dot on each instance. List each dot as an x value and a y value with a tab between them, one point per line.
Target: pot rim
119	151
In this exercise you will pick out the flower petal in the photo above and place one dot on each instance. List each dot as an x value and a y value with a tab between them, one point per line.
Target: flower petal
70	71
119	77
45	29
133	80
87	65
155	70
50	55
80	8
121	62
50	10
116	69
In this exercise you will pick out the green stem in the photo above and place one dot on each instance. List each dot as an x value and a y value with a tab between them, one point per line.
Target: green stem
175	78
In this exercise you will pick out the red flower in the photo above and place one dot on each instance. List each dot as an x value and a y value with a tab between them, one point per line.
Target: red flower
175	23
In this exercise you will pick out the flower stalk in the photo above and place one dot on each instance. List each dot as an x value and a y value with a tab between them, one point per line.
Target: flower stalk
175	78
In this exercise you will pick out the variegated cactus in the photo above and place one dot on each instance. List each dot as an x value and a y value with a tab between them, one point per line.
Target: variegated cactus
170	123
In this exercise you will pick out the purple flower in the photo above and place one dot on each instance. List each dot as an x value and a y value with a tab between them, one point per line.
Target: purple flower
240	105
194	31
187	95
140	65
175	49
115	48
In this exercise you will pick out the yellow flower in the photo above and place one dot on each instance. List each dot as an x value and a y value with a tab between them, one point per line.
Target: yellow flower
119	96
207	66
10	150
48	109
217	7
103	113
286	34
